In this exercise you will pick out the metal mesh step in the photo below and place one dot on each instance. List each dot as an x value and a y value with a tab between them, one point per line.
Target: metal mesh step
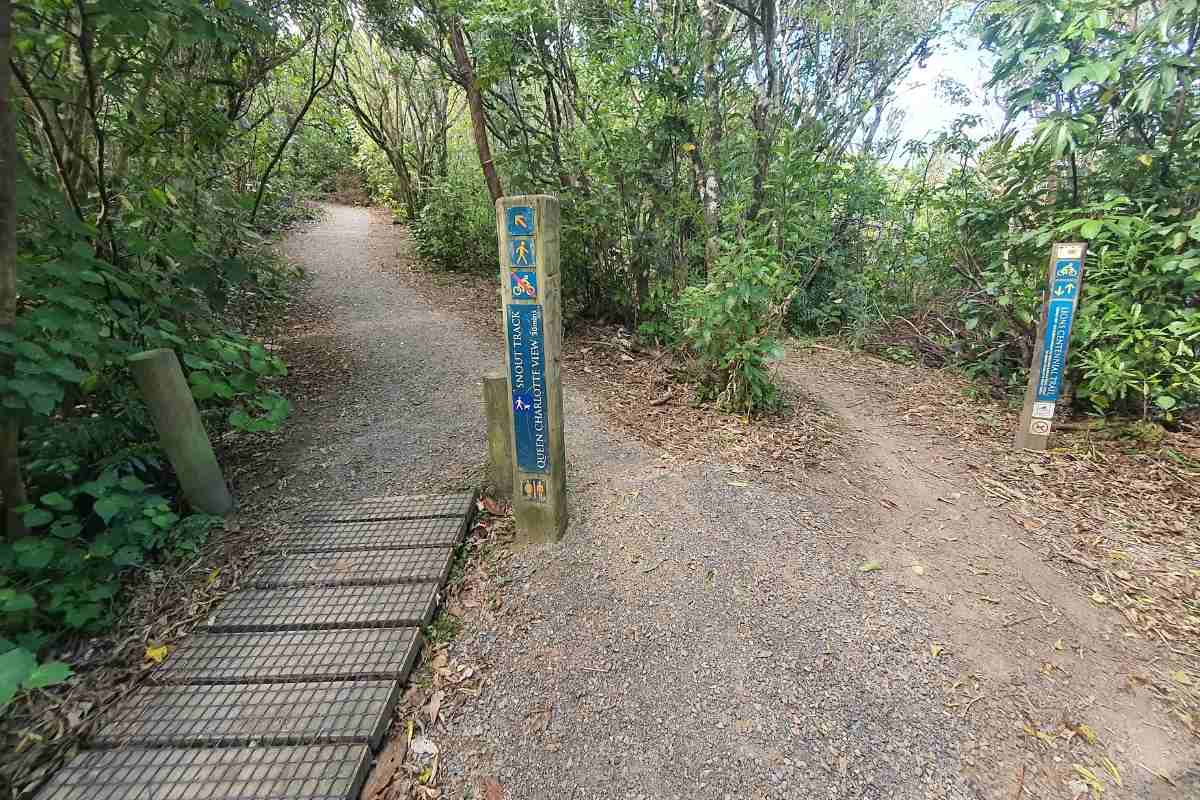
382	508
325	712
317	607
364	567
316	772
290	656
375	535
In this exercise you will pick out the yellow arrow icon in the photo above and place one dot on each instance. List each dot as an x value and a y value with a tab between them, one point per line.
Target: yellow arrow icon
519	220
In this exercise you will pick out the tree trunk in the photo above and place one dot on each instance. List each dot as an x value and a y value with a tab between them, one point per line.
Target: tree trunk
404	178
466	72
710	187
766	108
12	484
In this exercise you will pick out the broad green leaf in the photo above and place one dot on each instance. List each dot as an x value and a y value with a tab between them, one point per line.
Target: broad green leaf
37	517
106	508
15	668
49	674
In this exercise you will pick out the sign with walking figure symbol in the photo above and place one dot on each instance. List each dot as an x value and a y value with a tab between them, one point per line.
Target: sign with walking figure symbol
520	220
524	284
520	253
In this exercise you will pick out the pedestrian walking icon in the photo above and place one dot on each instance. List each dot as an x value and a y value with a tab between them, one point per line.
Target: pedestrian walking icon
520	252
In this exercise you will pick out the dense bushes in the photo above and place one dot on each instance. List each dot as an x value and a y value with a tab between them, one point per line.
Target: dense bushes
731	323
140	214
704	153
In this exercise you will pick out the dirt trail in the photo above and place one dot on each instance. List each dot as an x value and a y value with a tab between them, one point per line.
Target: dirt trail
696	634
1039	657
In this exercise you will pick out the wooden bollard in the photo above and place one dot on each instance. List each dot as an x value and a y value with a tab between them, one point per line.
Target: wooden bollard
531	288
180	429
497	406
1063	286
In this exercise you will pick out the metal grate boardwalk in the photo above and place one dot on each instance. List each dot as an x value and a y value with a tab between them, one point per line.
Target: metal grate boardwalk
286	690
358	568
325	712
380	508
395	534
323	607
378	653
316	772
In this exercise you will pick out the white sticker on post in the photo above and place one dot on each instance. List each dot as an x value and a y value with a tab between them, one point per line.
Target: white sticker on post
1043	410
1040	427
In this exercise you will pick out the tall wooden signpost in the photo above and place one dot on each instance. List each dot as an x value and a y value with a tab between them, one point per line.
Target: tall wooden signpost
1050	350
532	318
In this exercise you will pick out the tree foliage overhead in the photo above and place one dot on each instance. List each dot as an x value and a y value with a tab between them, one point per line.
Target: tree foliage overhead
685	138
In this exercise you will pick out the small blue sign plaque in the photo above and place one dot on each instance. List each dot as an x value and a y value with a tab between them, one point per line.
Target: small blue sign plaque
527	377
520	253
520	220
524	284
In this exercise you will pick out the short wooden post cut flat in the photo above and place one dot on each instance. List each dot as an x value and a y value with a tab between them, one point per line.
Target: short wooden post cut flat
497	408
180	429
1063	285
531	288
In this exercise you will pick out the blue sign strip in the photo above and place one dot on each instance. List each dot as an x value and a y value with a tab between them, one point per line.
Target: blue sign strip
1060	314
1054	350
526	364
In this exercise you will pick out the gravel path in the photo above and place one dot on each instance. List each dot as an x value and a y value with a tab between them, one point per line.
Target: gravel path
692	637
406	416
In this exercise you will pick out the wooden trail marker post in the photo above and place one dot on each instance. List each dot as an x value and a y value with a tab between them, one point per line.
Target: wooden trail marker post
531	288
180	429
1063	284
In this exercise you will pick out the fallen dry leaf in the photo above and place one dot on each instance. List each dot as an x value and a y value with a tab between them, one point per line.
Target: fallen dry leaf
1112	770
389	765
492	507
156	653
871	566
434	706
1089	777
492	790
539	721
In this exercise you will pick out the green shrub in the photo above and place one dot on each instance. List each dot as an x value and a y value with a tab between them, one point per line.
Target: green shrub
103	500
730	324
456	229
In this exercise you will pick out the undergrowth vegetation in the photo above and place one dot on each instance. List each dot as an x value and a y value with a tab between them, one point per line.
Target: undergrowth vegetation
157	145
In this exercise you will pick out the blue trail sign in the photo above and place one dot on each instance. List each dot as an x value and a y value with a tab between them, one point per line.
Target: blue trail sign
528	230
1063	286
1060	313
527	376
